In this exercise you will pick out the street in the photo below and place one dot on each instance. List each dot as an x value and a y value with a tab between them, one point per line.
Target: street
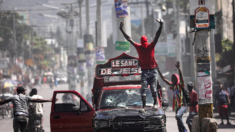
46	92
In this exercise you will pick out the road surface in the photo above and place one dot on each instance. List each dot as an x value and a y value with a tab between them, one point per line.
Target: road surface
46	92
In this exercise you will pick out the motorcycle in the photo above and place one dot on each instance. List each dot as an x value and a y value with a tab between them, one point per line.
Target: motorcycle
37	124
34	124
51	85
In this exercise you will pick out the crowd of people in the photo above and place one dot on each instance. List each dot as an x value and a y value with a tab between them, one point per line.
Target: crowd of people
181	97
24	107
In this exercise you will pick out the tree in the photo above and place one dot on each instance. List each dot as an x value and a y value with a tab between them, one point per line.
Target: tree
223	59
42	53
6	29
227	45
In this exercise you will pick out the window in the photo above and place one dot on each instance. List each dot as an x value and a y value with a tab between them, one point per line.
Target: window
83	106
124	98
66	102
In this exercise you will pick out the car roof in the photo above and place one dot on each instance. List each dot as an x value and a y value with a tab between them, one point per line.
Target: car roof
122	87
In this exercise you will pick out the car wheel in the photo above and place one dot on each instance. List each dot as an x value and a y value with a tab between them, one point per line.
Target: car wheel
162	130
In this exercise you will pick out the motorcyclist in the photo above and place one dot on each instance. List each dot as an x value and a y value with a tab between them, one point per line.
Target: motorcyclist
36	109
51	82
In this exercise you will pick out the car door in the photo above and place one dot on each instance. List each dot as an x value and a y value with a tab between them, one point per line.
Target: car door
70	112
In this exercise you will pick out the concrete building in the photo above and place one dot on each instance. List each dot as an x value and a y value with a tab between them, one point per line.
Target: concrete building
224	18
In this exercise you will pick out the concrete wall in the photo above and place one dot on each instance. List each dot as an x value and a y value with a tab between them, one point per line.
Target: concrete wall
225	7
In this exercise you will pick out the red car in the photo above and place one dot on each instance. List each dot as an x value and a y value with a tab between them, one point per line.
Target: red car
117	104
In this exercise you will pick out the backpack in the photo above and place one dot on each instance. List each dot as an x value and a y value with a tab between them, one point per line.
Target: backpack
186	95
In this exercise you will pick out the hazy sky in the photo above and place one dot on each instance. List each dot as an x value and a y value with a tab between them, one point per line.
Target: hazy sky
34	9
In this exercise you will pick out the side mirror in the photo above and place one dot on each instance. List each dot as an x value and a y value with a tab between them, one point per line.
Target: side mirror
165	104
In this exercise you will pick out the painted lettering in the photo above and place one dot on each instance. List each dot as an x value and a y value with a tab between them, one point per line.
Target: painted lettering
122	63
109	71
103	71
117	63
126	70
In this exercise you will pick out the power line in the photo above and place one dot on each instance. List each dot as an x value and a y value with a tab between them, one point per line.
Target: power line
32	10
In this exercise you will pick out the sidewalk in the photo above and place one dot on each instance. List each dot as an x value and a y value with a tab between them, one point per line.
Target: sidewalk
225	126
172	125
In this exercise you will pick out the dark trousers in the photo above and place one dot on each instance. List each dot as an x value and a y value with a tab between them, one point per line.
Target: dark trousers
20	123
149	77
189	120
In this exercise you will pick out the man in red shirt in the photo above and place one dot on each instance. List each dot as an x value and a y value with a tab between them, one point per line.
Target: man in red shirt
147	63
193	105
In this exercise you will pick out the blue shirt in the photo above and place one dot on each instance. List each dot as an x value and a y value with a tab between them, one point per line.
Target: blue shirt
222	98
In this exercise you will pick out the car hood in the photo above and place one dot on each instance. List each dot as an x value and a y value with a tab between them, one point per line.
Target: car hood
122	112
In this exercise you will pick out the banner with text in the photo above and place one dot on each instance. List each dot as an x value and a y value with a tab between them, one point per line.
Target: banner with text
122	65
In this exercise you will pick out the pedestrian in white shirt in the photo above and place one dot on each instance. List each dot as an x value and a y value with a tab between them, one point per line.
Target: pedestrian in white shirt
37	107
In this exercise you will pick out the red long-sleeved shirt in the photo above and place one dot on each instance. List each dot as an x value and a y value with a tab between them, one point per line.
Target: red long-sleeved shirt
146	56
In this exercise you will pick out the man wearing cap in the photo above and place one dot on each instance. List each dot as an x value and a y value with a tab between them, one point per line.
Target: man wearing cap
147	63
20	108
193	104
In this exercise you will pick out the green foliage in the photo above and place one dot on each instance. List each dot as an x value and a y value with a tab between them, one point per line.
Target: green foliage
227	45
226	57
42	53
6	29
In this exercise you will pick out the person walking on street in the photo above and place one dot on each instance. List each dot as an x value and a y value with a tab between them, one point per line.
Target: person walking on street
193	104
232	98
36	109
147	63
179	100
20	108
222	103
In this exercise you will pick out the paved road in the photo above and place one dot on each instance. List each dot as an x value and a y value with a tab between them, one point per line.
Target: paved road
46	92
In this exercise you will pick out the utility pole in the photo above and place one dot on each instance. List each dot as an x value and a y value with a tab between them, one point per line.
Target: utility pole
72	30
213	62
233	39
178	42
142	23
192	59
14	39
80	17
204	59
204	84
147	7
99	23
87	17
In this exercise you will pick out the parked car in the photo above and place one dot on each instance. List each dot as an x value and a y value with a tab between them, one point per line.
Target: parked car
62	79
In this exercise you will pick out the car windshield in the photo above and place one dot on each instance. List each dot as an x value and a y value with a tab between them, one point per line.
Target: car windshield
124	98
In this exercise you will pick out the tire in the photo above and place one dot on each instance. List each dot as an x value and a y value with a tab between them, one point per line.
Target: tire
162	130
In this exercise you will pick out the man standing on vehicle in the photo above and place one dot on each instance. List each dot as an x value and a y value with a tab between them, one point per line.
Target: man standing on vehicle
193	104
179	100
36	109
20	108
147	63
